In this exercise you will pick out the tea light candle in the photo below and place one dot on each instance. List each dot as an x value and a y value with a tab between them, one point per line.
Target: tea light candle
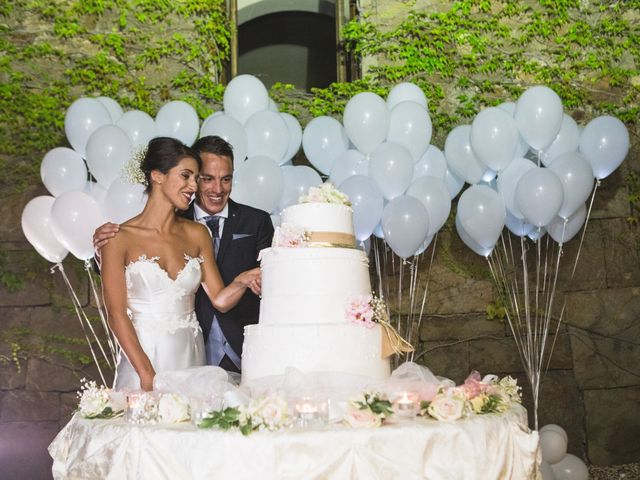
133	405
307	411
405	404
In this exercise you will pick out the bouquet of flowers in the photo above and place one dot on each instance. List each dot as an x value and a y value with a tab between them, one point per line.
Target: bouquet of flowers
266	413
368	410
99	402
290	236
476	396
325	193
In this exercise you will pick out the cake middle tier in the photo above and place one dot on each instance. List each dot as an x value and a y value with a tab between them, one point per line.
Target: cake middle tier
311	285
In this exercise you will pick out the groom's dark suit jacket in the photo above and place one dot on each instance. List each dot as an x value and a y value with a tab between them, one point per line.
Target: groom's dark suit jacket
246	231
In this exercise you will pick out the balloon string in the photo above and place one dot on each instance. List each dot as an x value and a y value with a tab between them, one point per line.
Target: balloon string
78	309
424	294
584	230
112	345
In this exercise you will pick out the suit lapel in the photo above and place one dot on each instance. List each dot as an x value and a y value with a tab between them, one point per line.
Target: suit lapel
230	225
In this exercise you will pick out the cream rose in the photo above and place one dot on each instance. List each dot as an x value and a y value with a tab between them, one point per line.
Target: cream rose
358	418
447	408
172	408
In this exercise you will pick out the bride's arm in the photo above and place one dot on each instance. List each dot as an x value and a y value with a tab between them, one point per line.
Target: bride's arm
223	298
115	298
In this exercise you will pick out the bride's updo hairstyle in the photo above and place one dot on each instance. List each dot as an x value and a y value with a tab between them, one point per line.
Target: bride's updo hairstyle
164	153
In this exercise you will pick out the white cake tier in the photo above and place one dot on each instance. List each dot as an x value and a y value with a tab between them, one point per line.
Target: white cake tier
310	285
346	348
326	223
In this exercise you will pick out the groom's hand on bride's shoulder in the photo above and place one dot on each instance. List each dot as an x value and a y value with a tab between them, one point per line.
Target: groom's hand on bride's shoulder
103	234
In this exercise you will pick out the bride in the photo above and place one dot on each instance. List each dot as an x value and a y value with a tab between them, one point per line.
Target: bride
153	267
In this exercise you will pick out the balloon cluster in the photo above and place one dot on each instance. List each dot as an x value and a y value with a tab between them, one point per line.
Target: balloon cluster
531	168
556	463
381	158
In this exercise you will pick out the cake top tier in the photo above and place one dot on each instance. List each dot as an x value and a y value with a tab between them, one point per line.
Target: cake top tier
324	218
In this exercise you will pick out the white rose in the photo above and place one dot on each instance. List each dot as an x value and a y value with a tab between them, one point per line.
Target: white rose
274	412
361	418
172	408
93	403
447	408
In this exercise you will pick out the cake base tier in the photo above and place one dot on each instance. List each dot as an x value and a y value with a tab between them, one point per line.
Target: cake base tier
346	348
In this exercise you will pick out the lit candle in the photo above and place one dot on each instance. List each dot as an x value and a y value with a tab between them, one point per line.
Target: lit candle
405	404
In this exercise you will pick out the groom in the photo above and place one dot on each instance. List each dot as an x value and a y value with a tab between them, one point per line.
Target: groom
239	232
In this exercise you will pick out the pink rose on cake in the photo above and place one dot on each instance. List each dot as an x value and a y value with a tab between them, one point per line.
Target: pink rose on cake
359	310
289	236
325	193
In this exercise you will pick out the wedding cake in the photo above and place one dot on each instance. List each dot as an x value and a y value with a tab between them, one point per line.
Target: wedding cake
314	283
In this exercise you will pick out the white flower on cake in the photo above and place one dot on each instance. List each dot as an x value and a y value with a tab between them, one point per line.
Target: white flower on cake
289	236
360	310
98	402
325	193
172	408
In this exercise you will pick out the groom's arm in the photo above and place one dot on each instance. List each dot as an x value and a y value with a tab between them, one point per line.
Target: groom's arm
101	237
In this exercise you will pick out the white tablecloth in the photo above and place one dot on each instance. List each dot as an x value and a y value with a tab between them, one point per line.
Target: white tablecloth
480	447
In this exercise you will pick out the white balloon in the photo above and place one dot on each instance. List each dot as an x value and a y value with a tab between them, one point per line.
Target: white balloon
453	183
62	170
124	201
406	92
84	117
557	428
275	219
405	223
108	150
410	126
367	203
539	116
98	193
523	146
546	471
139	126
323	140
562	230
267	134
179	120
273	106
231	130
470	242
570	468
508	180
74	218
434	195
494	138
460	157
482	214
576	176
605	143
36	226
297	181
348	163
113	107
366	121
539	196
391	167
537	233
566	141
295	137
260	180
431	164
516	225
244	96
553	446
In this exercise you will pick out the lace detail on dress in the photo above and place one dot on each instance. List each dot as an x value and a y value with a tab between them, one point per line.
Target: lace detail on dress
171	326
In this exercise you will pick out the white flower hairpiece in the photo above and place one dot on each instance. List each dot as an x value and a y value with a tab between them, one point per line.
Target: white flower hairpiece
132	170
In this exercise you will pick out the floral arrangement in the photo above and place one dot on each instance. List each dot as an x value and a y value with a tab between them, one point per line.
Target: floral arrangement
325	193
476	396
98	402
154	408
267	413
370	409
290	236
132	170
366	309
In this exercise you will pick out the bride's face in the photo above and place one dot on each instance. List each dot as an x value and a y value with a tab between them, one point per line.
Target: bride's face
180	183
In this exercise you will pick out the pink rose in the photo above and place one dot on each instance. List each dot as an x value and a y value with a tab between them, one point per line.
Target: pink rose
447	408
361	418
358	310
473	385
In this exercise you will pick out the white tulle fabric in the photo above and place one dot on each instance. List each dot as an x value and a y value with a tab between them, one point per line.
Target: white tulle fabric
162	312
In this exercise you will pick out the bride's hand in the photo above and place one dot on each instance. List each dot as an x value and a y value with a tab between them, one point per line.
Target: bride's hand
249	278
146	381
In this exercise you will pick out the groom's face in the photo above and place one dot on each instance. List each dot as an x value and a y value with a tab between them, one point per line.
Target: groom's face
214	185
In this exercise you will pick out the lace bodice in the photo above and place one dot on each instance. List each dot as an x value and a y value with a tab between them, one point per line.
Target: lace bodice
157	301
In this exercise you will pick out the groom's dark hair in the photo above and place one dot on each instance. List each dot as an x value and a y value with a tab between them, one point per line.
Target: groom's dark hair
214	144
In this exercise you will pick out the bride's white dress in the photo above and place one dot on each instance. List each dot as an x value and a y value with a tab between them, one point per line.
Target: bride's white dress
162	312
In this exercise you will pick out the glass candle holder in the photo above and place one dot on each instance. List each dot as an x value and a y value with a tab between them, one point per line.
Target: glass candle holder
142	407
405	404
310	412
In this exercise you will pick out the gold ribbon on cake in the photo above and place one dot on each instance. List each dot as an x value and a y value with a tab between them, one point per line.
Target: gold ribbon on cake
330	239
392	341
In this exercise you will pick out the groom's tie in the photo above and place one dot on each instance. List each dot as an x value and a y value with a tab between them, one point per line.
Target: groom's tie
217	345
213	222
